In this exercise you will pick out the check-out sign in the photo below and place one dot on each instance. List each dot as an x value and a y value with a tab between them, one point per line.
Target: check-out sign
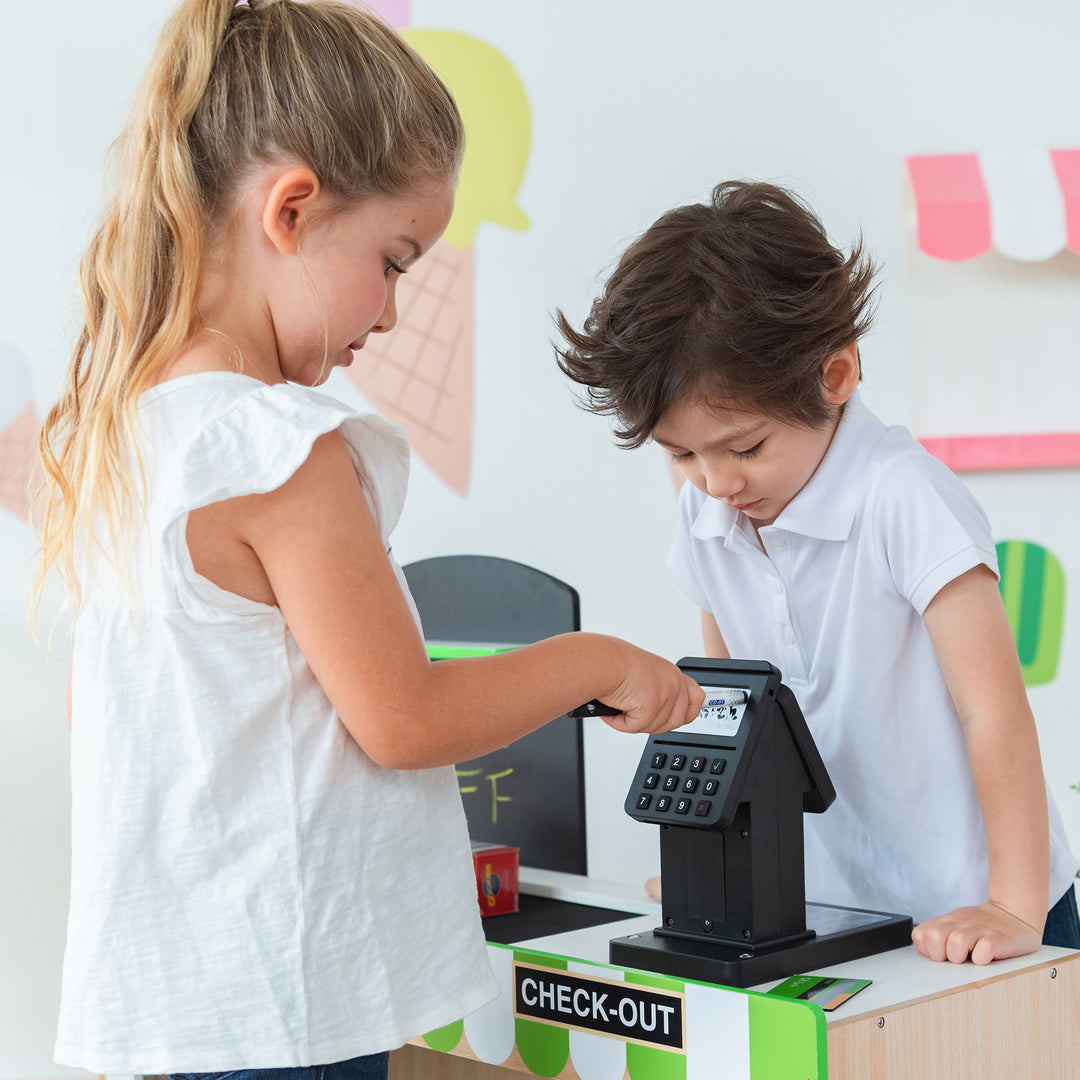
616	1010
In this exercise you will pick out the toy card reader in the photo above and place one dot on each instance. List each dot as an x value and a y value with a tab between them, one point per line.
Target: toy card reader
728	791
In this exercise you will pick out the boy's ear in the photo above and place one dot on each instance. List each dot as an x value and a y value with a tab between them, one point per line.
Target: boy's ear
288	205
840	374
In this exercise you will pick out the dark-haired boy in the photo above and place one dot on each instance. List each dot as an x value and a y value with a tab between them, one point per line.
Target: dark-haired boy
813	536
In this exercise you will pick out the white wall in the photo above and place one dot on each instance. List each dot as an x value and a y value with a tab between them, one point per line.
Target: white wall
635	107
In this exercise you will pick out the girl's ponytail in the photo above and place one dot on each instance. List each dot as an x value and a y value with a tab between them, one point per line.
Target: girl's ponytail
229	87
139	281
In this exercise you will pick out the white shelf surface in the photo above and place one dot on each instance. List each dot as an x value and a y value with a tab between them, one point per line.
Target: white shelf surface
900	976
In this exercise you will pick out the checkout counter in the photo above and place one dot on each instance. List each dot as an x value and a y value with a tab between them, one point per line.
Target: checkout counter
918	1020
601	985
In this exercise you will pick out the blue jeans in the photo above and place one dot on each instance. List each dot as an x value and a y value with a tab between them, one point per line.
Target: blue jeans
372	1067
1063	923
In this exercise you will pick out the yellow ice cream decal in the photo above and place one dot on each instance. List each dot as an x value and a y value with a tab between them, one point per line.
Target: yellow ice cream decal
495	110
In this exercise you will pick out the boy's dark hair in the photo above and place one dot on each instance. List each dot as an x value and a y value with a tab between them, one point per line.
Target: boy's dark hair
740	300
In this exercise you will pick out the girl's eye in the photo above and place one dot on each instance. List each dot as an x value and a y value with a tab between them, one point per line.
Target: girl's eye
749	453
392	266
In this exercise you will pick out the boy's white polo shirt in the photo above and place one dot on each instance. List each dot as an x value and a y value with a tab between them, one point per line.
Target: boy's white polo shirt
833	595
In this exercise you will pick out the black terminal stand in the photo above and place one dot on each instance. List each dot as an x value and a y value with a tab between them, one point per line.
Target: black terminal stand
728	792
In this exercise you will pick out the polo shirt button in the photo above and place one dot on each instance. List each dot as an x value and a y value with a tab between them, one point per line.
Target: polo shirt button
780	541
777	587
789	635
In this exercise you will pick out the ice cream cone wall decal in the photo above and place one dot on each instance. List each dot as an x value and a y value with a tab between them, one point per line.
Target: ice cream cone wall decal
420	375
18	430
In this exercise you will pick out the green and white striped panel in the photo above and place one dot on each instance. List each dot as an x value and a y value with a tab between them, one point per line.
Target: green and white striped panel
731	1034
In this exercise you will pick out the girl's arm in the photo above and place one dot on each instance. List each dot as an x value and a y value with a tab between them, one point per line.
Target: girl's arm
975	648
326	568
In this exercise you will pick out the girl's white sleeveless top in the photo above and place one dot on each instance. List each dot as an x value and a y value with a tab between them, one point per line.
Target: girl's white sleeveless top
248	889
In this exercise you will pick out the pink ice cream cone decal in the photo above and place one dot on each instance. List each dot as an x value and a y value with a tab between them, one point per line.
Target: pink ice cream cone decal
18	431
420	375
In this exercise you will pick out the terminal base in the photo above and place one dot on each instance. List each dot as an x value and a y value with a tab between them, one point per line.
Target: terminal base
840	934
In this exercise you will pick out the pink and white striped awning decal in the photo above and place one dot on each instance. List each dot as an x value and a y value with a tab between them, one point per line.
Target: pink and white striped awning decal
1025	203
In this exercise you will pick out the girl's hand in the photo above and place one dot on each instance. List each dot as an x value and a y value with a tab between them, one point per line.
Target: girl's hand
655	696
983	933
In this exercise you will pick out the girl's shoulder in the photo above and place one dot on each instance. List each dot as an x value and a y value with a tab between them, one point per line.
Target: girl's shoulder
221	435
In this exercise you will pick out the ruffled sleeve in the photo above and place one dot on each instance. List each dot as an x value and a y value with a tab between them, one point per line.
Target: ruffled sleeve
255	446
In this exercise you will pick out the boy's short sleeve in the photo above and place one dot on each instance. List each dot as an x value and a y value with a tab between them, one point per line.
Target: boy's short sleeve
929	526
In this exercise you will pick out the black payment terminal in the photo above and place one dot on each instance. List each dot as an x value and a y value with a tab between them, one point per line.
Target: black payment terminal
728	791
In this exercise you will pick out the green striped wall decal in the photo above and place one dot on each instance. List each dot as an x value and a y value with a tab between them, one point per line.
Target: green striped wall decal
1032	584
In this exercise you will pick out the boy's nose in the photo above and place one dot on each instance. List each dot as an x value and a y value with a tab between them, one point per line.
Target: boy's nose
722	483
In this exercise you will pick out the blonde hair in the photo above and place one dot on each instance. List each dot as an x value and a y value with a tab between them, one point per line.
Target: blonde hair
230	87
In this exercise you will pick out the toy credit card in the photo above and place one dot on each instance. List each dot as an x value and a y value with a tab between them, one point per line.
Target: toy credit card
823	990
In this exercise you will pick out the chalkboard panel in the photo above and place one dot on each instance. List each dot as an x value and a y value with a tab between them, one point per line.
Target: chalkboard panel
530	794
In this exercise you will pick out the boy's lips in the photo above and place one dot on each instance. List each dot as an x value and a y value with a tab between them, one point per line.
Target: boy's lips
743	507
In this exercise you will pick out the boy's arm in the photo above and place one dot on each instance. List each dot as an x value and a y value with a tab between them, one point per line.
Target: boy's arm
714	640
975	648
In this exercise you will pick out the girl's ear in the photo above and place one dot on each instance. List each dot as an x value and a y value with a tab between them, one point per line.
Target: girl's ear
840	374
288	205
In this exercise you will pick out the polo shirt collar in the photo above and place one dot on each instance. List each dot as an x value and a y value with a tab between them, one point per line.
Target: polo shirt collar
826	506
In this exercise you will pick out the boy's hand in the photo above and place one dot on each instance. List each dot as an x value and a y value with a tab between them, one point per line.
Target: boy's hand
983	933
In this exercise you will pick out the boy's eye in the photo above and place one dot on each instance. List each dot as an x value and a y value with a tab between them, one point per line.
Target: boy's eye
684	456
749	453
391	265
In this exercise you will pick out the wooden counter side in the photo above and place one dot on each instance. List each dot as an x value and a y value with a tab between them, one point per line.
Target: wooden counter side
1023	1024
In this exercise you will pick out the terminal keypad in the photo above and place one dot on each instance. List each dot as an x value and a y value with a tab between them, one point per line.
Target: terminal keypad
692	782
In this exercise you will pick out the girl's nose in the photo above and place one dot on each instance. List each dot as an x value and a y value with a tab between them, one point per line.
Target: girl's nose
387	319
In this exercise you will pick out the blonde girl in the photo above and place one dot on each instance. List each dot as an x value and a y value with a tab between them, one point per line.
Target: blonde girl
270	867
